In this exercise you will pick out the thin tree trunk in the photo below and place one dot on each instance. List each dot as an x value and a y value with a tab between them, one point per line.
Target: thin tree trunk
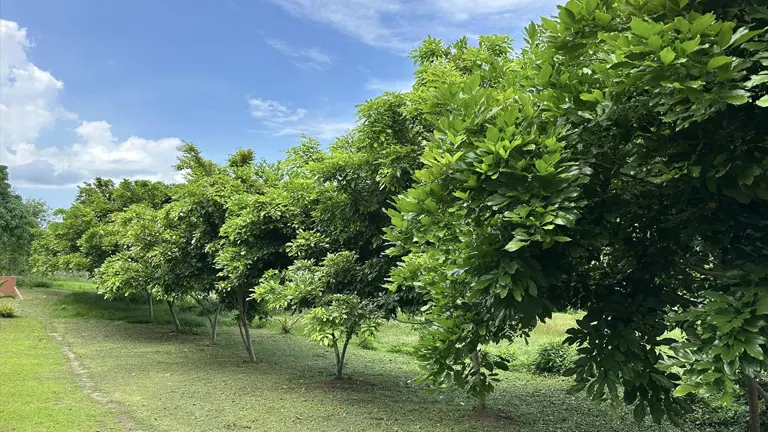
172	307
754	405
245	329
215	325
476	370
212	320
151	307
338	357
341	358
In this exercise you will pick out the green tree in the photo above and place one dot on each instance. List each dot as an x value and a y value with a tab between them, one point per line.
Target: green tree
618	166
20	223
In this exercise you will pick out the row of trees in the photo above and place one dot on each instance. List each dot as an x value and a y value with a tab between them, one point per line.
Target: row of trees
618	164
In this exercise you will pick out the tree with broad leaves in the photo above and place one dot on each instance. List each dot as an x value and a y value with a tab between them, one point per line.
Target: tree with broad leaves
618	166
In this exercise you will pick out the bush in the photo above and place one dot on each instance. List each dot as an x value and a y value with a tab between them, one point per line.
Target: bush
553	359
7	309
33	282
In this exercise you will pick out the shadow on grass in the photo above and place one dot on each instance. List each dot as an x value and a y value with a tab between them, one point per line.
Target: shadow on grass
291	371
91	305
378	390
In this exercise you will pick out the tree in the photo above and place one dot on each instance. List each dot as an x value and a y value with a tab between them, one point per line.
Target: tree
329	292
20	223
254	236
80	240
617	166
132	270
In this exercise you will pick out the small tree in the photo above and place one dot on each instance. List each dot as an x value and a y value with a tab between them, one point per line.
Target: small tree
336	314
336	319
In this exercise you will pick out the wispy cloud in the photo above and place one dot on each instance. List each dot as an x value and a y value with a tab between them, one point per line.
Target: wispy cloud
389	85
280	120
308	58
399	25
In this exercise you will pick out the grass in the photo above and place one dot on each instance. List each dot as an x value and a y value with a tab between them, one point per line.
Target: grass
172	382
39	389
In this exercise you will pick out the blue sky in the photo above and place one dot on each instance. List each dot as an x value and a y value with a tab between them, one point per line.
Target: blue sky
110	88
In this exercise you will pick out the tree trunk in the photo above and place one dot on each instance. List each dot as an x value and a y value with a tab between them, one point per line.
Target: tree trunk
151	307
754	405
245	330
215	325
340	358
172	308
476	370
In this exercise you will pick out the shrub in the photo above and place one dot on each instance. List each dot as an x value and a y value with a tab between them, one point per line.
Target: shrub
553	359
33	282
7	309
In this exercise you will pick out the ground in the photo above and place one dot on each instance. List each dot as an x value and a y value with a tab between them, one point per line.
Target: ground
76	362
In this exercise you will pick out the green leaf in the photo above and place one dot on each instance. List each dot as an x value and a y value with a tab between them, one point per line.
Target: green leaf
654	42
757	80
515	245
561	239
735	97
725	35
667	55
566	15
754	350
691	45
743	34
639	412
763	101
641	27
603	18
683	389
492	134
761	308
545	74
718	61
702	23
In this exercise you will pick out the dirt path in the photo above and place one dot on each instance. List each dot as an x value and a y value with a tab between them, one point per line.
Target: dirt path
38	306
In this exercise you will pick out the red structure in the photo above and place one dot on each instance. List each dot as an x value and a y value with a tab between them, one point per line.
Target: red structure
8	287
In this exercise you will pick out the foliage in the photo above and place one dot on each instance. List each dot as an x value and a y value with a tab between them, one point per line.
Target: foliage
20	224
8	309
81	240
553	359
616	165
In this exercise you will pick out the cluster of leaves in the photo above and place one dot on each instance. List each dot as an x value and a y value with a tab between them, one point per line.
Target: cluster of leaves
7	309
553	359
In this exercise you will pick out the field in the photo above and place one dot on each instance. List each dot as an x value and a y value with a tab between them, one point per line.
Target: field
111	370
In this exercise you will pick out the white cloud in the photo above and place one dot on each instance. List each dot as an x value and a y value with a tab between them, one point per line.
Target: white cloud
324	130
280	120
309	58
29	104
399	25
274	112
389	85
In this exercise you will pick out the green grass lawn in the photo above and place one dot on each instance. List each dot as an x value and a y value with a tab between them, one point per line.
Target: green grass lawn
166	381
38	389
